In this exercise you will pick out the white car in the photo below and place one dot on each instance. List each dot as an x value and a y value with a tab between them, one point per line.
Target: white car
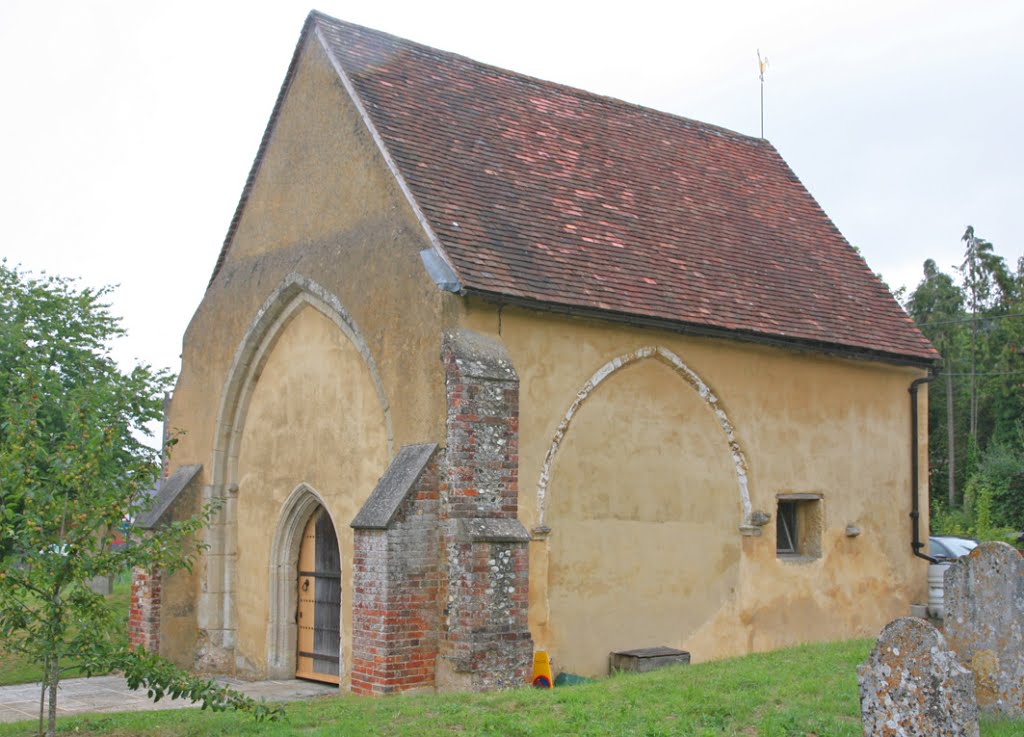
945	550
950	548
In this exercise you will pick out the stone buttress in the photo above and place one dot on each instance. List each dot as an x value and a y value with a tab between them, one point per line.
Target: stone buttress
396	577
441	563
486	642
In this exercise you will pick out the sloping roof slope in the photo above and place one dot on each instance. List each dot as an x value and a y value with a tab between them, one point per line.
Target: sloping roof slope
553	196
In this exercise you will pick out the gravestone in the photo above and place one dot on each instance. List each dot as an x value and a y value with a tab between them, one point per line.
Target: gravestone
913	686
985	624
102	585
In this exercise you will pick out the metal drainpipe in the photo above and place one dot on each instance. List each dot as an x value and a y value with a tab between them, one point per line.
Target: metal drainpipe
915	514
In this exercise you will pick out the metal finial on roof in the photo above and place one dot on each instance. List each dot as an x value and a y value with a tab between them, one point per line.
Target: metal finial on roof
762	64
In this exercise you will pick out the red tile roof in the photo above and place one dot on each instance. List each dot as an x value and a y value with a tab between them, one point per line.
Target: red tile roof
550	195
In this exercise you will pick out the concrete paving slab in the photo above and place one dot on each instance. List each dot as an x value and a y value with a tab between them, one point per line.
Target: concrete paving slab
19	716
26	692
106	694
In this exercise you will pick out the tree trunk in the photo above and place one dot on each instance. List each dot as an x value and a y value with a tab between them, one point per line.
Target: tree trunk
951	435
53	657
51	722
974	398
42	694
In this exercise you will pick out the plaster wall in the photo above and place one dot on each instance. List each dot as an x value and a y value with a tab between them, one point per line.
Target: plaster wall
643	503
632	520
314	404
325	208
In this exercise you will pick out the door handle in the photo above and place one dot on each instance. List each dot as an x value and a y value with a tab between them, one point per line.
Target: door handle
305	585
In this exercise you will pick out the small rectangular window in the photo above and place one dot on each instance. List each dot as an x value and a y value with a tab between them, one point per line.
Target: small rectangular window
786	529
798	525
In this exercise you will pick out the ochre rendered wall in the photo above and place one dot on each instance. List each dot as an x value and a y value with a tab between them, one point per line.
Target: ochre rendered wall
314	402
323	206
643	502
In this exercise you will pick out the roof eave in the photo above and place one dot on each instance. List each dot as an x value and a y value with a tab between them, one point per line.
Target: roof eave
707	331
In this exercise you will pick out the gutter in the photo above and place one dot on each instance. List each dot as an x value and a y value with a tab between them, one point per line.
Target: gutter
915	513
707	331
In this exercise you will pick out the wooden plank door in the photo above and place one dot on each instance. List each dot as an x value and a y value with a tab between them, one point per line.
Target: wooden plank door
319	610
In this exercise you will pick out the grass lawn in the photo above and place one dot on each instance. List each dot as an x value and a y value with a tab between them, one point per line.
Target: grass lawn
15	669
805	691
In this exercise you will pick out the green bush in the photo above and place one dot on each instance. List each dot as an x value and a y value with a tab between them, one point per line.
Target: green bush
980	518
1002	470
950	522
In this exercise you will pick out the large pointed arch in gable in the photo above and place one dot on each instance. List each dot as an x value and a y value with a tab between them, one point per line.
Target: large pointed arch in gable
295	293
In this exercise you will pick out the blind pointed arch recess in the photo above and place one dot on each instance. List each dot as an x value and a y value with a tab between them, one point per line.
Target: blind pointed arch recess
691	377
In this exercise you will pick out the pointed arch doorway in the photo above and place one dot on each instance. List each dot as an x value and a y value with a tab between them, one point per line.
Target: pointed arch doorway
318	615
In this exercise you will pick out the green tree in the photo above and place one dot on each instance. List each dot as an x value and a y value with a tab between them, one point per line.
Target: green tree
937	307
986	281
977	324
1001	469
73	467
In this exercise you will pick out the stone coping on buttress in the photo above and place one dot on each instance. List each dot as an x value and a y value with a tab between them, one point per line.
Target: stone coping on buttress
169	490
394	487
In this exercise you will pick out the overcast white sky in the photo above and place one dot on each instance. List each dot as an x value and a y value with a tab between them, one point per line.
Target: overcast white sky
128	128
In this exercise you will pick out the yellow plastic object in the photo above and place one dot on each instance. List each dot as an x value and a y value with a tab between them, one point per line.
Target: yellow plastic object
542	670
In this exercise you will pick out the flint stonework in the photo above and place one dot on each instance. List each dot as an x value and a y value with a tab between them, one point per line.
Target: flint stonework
985	624
913	686
440	565
485	641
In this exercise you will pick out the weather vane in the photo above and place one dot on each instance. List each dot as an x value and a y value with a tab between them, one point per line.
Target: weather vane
762	64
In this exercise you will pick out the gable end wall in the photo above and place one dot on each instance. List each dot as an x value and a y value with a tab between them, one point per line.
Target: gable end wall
325	208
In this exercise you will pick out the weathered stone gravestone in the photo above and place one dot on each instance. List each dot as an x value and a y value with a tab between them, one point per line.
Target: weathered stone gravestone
985	624
913	686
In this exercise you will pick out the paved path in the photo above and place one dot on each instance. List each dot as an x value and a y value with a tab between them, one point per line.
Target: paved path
110	693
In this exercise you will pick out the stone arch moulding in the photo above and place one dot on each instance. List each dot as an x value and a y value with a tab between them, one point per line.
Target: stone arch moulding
294	293
216	605
670	359
282	630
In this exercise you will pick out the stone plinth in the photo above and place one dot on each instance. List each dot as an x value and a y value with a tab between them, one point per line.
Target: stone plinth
646	659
